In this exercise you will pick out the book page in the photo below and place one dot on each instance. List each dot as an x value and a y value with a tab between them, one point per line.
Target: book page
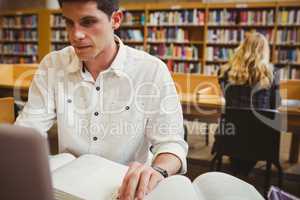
217	185
174	188
56	161
89	177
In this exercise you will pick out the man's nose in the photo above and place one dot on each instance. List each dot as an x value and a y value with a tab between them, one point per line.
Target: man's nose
78	34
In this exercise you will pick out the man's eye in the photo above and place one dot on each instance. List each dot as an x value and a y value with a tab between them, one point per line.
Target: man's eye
88	23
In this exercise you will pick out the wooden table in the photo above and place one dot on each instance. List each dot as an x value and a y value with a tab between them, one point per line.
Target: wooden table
207	108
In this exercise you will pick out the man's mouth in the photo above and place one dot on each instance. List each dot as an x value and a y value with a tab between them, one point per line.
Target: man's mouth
83	47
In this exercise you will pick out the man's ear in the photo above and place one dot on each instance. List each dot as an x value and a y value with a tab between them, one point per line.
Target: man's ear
116	19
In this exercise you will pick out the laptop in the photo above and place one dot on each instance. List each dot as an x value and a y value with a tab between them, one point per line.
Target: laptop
24	167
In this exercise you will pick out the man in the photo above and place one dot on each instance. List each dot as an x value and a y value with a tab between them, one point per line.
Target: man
109	99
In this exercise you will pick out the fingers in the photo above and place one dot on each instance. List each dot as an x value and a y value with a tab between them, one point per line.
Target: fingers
130	181
154	180
138	181
143	184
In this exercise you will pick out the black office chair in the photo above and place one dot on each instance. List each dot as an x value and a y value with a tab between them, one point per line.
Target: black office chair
244	134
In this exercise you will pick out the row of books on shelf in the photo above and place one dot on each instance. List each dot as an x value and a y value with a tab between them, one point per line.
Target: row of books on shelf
174	52
131	35
289	56
131	18
183	67
241	17
288	72
233	36
288	36
18	35
289	17
57	21
21	60
20	21
19	49
168	34
182	17
59	36
218	53
211	69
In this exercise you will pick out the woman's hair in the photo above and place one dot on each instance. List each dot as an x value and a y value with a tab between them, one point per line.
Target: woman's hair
250	63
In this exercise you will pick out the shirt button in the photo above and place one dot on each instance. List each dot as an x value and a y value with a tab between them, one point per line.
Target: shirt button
97	88
96	113
127	107
69	100
95	138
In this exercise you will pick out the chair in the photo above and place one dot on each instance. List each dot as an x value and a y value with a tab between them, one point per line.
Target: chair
7	114
243	134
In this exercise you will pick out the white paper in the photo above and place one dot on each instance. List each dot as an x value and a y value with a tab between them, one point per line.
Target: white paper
89	177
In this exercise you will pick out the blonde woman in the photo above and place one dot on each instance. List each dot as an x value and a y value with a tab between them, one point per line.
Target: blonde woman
248	80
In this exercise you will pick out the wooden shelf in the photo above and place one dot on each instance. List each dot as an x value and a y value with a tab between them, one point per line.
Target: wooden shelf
60	42
175	42
179	59
132	26
239	26
174	25
222	44
133	42
288	26
18	54
19	28
58	27
18	41
290	45
217	61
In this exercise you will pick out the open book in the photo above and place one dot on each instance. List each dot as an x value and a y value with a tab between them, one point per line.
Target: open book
91	177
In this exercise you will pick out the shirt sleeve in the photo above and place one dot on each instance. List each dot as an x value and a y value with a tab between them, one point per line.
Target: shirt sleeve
164	127
39	111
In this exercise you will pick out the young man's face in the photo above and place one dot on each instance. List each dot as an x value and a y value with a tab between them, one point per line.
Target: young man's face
89	29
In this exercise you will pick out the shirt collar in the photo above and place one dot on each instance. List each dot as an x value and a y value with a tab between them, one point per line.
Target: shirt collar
116	67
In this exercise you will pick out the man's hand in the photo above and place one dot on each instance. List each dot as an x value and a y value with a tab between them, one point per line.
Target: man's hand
139	181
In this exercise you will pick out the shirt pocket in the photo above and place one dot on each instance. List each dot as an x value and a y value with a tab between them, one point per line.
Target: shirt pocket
127	119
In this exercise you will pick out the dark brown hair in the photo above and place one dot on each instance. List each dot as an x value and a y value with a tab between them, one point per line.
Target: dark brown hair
107	6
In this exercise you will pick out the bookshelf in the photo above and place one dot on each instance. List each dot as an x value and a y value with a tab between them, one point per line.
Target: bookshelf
59	36
19	37
132	30
190	37
227	25
175	33
287	48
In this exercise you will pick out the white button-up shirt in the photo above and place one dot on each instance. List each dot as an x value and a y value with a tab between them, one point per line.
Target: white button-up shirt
130	107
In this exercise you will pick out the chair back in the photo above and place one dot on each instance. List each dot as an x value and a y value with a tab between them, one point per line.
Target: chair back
249	134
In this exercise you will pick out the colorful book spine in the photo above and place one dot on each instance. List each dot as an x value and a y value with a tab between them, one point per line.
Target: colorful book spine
57	20
179	17
131	35
290	36
19	35
183	67
133	18
289	17
20	21
188	53
168	35
219	53
290	56
241	17
211	69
